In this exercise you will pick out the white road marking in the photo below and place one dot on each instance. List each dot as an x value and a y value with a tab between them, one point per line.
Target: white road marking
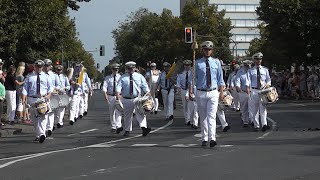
223	146
183	145
199	135
204	155
296	104
83	132
143	145
30	156
102	145
274	125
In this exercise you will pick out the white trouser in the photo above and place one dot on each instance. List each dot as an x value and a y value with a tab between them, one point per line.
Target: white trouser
255	106
236	101
86	97
50	121
39	122
74	106
115	115
208	104
59	114
128	107
168	102
81	105
244	98
222	118
185	105
11	104
193	112
153	89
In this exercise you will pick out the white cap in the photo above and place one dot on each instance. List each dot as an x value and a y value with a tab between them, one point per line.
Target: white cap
247	62
1	62
207	45
47	61
166	64
131	64
153	64
258	55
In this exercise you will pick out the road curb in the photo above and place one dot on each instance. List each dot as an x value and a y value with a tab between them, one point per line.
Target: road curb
12	130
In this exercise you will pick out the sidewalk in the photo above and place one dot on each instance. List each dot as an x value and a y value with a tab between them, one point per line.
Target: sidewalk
11	130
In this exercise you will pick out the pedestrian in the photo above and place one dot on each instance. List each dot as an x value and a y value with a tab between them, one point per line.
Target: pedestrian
132	85
2	98
167	90
37	87
259	79
109	88
19	80
208	79
10	85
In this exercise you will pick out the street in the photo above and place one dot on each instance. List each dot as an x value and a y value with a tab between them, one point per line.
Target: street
87	150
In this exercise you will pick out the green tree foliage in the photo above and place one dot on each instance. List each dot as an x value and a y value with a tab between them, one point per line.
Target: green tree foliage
291	30
35	29
209	22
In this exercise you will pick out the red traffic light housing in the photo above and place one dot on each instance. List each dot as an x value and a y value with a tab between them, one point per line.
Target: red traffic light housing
188	35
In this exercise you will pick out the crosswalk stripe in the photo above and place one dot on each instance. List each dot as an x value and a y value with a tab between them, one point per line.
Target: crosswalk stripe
102	145
143	145
183	145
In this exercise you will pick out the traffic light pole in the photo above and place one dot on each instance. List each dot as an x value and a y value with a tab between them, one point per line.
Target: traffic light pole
194	47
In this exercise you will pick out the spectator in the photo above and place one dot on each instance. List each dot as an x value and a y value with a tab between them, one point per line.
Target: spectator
2	97
10	86
19	81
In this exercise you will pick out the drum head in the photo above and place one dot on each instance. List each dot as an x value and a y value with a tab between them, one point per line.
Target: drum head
54	102
64	100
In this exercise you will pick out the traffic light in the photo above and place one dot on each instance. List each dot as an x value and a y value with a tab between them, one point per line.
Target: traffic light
188	35
102	50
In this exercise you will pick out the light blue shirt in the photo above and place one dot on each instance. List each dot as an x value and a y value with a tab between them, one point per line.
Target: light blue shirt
162	81
64	82
215	70
108	83
55	80
86	83
181	79
264	77
124	85
231	79
30	85
242	79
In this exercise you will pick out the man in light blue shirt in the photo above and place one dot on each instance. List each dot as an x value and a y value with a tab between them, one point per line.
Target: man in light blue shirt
167	90
208	78
232	88
243	91
132	85
65	87
109	88
57	86
37	85
258	79
86	89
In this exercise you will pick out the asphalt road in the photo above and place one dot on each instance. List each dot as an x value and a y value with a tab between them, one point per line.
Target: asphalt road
87	150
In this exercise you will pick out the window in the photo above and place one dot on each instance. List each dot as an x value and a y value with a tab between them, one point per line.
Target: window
244	37
237	7
245	22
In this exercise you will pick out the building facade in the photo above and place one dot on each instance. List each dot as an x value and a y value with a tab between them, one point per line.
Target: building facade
242	14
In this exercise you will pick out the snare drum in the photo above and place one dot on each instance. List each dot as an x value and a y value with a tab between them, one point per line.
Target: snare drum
54	102
40	107
64	100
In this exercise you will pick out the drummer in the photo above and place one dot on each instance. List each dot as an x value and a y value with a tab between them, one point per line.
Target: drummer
65	87
56	87
37	85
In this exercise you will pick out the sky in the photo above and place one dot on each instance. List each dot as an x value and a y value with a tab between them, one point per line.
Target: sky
96	19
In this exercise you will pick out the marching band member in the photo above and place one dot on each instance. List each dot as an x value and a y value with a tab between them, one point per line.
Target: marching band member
65	86
37	85
258	79
75	93
167	91
152	77
243	91
222	118
231	86
109	89
130	86
56	86
85	90
208	78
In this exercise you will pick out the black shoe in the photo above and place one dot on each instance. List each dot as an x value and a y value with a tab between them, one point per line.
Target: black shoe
155	112
53	128
237	110
113	130
204	143
213	143
42	138
245	126
75	119
80	116
252	124
225	129
119	130
171	118
133	114
264	128
126	133
36	139
145	131
85	113
59	125
256	129
49	133
195	127
188	123
11	122
71	123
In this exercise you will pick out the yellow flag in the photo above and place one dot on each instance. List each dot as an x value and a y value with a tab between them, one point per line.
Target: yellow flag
80	79
171	71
